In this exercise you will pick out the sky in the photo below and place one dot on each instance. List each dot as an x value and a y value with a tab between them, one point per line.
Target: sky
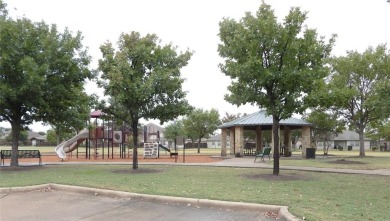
194	25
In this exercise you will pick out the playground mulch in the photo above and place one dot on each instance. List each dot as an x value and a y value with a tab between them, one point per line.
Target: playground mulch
129	158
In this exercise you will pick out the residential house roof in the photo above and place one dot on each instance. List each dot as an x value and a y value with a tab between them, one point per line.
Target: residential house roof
349	135
33	135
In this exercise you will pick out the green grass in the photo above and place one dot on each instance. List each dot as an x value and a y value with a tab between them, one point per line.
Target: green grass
316	196
341	160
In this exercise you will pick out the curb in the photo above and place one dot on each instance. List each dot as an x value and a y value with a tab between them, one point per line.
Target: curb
282	211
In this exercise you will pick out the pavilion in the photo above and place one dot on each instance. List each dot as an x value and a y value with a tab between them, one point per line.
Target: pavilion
260	121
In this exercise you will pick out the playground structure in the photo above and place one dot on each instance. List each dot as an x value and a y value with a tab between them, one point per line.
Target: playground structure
103	139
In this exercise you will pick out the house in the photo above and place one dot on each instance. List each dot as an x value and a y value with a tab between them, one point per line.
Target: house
349	138
35	138
154	133
4	133
215	141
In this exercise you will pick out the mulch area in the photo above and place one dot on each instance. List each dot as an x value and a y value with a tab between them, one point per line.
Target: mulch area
116	158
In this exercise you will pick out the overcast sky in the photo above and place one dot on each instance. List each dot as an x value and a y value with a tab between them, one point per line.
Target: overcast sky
194	25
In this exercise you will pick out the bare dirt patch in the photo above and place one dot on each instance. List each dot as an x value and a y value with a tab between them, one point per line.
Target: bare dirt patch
344	161
137	171
280	177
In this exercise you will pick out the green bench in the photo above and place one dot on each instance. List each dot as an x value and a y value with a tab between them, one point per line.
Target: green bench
266	152
6	154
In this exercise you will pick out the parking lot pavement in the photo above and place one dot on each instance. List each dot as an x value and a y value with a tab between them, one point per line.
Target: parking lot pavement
50	204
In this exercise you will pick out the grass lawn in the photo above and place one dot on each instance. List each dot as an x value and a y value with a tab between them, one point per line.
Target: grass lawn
315	196
340	159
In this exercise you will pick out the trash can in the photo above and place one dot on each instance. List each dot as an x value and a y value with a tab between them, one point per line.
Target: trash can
310	153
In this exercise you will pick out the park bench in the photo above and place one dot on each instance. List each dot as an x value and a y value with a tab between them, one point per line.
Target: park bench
6	154
266	152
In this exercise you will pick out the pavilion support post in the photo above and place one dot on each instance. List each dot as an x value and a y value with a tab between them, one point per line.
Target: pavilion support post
305	139
273	142
259	139
239	140
223	141
287	140
232	142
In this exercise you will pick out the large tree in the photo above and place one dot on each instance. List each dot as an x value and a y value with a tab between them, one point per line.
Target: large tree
73	117
325	127
201	123
358	89
272	65
42	72
173	130
143	77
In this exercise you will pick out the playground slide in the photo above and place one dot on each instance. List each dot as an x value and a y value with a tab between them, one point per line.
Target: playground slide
71	144
164	148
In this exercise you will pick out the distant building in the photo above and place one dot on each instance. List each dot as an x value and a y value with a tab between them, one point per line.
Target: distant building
4	133
350	138
35	138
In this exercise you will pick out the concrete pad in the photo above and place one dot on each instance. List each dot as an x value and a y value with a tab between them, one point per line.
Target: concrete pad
63	203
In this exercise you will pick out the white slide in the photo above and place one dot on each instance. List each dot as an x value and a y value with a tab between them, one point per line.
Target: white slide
71	144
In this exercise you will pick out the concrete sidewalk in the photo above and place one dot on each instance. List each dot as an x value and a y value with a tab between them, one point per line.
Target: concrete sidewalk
243	162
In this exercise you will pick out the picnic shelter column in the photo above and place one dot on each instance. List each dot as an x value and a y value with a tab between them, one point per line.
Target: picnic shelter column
232	142
305	139
287	140
239	140
259	139
223	141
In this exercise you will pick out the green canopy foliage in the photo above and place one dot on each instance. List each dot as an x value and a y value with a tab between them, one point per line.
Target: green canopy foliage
42	73
358	89
325	127
272	65
143	79
201	123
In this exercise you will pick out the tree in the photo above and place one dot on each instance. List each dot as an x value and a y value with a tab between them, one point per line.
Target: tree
72	118
358	89
273	65
51	136
325	127
144	78
173	130
201	123
230	117
23	135
42	71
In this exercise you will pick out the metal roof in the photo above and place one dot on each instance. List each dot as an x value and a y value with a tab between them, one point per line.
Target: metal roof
261	118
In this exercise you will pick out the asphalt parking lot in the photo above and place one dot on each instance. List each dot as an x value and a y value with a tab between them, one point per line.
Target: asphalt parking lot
50	204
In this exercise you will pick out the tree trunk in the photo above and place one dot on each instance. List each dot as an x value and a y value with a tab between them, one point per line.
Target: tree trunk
361	139
135	142
199	144
275	132
325	147
15	144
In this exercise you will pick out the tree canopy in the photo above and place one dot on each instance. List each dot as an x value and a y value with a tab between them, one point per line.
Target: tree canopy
272	65
42	72
143	77
173	130
358	89
201	123
325	127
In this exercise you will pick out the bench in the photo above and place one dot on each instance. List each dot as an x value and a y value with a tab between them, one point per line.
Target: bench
266	152
175	154
6	154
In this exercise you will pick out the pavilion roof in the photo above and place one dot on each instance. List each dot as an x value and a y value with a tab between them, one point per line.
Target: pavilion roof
260	118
